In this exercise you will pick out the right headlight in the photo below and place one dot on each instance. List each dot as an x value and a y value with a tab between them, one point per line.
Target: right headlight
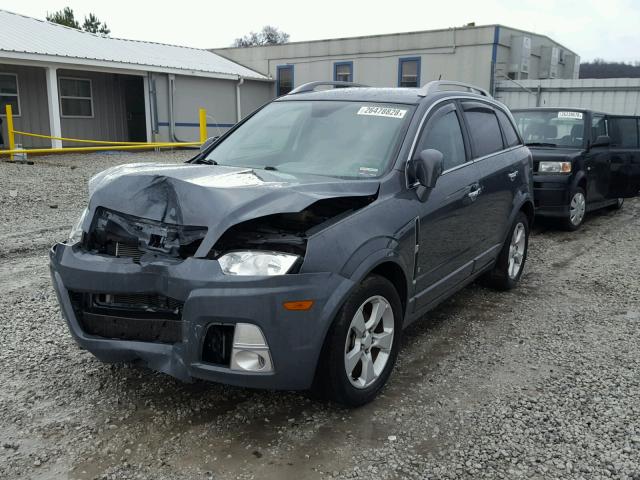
554	167
75	235
256	262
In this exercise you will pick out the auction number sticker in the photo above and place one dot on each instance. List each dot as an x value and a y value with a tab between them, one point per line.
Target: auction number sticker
573	115
383	112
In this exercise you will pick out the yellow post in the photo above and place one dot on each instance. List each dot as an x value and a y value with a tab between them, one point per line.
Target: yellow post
10	134
203	125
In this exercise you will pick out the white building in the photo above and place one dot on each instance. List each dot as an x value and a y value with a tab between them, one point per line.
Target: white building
68	83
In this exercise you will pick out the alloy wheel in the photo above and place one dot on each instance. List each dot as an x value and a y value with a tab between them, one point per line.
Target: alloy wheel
369	341
517	250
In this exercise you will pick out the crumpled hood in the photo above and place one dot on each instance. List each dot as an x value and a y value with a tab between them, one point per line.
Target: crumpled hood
213	196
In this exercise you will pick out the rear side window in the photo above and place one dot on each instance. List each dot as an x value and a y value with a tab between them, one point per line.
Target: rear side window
483	128
624	132
510	135
443	133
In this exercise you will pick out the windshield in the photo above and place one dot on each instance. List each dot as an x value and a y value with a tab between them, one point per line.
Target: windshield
551	128
339	139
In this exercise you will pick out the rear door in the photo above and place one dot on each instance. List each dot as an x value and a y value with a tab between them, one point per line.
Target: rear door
624	169
499	176
449	226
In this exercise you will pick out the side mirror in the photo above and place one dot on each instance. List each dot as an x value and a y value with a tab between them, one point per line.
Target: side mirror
602	141
208	142
428	167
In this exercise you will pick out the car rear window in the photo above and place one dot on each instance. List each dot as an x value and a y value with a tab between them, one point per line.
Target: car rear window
483	128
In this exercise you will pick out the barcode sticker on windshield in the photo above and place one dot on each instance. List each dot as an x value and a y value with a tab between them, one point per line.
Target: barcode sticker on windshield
382	112
573	115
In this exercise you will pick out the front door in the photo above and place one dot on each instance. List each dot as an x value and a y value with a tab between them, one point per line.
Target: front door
448	226
624	175
597	162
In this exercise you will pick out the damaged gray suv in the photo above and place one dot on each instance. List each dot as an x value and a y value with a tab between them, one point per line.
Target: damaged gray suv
293	250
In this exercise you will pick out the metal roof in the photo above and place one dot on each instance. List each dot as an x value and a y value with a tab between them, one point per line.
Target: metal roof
30	38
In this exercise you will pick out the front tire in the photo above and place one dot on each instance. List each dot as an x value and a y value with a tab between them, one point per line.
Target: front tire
510	264
362	344
577	210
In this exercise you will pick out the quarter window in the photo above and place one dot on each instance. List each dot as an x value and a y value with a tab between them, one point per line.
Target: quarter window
343	71
624	132
75	97
484	130
9	93
443	133
598	126
284	80
510	135
409	72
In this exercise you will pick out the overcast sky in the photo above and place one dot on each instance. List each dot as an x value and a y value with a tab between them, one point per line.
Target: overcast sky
608	29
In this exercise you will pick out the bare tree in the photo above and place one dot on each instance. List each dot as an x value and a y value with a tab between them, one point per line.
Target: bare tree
268	36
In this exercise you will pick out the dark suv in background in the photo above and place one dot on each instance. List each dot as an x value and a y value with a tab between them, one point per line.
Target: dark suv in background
583	160
294	249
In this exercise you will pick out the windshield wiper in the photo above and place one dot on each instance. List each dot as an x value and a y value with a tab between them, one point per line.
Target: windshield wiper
540	144
206	161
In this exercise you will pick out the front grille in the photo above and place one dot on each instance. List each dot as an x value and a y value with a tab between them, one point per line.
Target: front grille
137	317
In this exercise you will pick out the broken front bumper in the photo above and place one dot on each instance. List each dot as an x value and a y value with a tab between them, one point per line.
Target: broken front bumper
209	298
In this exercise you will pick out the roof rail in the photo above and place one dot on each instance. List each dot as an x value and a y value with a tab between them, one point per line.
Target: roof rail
311	86
435	86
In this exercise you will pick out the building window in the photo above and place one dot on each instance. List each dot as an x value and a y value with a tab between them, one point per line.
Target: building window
75	97
9	93
284	79
343	72
409	72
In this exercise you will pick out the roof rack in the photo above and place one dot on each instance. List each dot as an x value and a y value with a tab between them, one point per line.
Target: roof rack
311	86
435	86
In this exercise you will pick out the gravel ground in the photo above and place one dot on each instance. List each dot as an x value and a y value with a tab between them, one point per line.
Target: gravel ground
539	382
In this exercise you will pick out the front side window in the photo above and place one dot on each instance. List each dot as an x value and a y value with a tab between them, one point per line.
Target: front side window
409	72
624	132
484	129
331	138
343	71
9	93
284	80
443	133
551	128
75	97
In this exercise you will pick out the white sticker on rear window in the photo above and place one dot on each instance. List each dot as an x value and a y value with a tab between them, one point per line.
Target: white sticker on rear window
574	115
382	112
368	171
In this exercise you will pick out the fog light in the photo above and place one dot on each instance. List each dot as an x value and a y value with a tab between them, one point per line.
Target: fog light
250	350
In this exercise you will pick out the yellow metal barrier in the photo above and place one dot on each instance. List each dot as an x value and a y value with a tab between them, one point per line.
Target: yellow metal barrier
11	133
12	138
203	125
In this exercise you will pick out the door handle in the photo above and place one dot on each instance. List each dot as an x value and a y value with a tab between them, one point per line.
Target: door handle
513	175
473	194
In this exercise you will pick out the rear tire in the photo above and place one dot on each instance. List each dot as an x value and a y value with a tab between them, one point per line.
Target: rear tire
618	205
359	351
577	210
508	268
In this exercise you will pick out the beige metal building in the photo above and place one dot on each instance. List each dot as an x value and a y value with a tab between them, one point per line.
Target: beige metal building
480	55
